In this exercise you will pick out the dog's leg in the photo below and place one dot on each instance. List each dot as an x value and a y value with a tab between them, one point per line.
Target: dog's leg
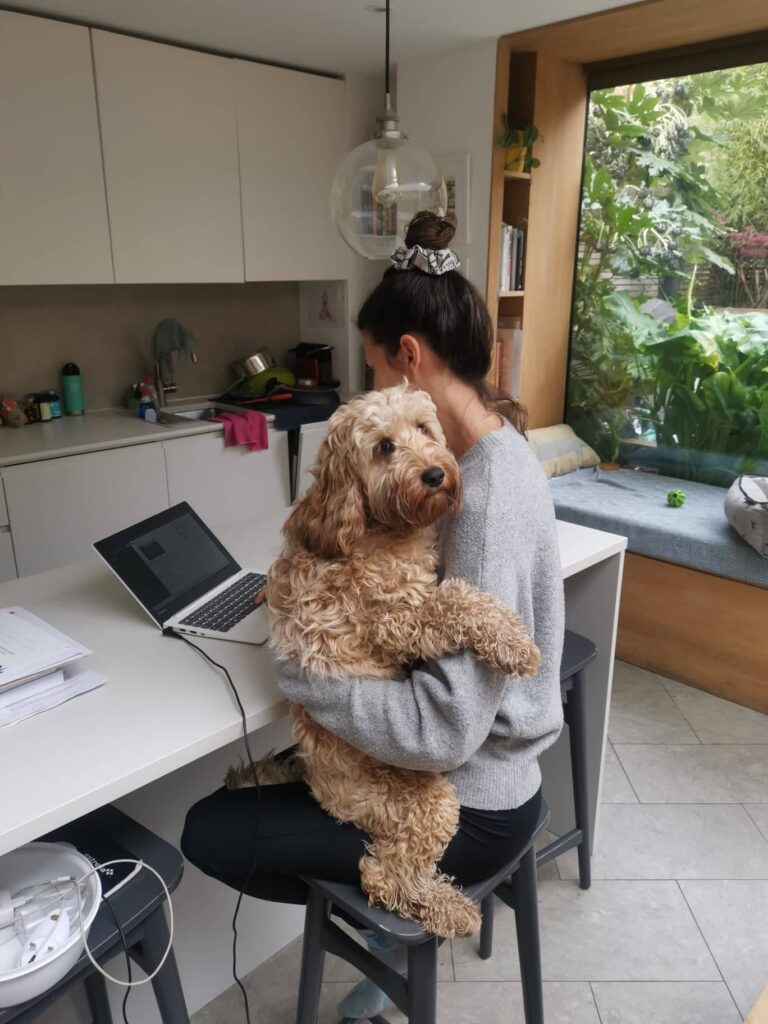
458	616
270	771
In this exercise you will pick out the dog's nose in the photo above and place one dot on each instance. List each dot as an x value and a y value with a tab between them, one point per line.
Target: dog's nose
433	476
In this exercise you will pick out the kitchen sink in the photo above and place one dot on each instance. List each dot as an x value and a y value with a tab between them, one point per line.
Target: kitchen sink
168	417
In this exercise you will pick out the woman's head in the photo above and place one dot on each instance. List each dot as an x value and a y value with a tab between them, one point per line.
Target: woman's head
439	318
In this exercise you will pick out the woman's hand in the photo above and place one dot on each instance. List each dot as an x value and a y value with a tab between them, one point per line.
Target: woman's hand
261	597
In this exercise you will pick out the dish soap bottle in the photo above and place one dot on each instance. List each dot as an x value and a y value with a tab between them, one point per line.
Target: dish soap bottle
72	389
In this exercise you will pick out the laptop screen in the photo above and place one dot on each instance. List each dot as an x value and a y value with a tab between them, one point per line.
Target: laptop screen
168	561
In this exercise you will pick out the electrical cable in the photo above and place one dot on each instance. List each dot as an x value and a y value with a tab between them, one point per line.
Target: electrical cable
113	912
169	631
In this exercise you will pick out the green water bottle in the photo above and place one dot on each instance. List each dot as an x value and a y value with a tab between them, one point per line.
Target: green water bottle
72	389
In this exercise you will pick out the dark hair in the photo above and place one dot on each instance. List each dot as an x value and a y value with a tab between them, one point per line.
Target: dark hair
446	309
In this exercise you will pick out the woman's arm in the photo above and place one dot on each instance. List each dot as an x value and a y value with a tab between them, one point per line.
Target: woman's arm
433	721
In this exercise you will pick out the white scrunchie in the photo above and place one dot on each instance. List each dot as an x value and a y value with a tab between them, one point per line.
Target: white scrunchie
428	261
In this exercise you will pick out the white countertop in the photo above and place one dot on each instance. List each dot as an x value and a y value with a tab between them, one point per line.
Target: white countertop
94	431
163	706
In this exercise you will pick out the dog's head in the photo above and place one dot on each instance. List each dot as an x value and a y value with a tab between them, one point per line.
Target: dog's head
384	465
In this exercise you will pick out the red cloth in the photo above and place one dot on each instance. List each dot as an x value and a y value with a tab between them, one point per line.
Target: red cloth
247	427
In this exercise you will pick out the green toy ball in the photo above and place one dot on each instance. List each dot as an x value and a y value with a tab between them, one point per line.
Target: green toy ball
676	498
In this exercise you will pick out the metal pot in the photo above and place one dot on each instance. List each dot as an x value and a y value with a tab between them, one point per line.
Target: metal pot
249	366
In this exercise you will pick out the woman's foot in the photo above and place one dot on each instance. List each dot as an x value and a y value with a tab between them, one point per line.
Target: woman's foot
367	1000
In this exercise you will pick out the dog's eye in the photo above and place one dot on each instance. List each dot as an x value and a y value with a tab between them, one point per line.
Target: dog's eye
385	446
424	429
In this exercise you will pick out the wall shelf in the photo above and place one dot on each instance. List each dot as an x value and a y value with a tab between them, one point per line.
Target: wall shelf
517	175
511	295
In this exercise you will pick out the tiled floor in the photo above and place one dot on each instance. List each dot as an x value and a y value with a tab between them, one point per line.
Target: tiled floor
675	927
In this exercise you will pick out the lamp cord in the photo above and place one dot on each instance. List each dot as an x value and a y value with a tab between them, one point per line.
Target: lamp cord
386	58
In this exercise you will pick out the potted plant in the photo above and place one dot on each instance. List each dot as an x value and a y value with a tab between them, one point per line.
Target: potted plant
518	142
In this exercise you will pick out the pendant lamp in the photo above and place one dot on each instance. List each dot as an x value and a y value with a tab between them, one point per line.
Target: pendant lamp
379	186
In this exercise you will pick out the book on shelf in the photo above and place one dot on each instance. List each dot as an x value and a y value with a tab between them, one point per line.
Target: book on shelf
511	264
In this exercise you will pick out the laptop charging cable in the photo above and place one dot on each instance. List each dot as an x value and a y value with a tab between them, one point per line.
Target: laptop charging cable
169	631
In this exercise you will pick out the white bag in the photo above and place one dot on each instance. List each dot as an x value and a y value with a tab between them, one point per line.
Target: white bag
746	508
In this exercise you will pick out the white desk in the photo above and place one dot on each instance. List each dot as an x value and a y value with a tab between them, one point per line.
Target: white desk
163	707
159	735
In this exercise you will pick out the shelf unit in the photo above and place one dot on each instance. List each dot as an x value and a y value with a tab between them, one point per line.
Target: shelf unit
533	87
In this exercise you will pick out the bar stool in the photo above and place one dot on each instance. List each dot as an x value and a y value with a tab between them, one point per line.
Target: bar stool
139	908
416	992
578	652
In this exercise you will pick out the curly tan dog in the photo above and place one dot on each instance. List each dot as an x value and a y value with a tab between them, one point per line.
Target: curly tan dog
355	593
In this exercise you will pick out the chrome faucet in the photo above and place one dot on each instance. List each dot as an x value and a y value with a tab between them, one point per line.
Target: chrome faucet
162	390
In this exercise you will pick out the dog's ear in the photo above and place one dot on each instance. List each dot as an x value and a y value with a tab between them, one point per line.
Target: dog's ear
331	517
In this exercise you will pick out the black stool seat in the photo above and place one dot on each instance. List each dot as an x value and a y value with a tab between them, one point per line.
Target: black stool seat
578	651
139	908
416	992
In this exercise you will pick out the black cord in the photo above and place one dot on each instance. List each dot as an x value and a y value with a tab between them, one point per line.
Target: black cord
113	912
386	56
168	631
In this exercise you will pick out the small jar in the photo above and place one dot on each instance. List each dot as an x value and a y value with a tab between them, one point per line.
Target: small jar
55	404
42	401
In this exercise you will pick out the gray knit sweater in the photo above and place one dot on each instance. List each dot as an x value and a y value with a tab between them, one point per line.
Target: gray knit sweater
484	731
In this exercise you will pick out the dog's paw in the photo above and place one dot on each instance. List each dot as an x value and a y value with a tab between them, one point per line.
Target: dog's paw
270	771
510	650
448	913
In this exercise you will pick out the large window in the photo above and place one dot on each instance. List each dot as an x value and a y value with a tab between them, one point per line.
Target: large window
669	345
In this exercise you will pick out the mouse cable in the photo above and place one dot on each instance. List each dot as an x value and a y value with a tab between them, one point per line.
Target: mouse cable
168	631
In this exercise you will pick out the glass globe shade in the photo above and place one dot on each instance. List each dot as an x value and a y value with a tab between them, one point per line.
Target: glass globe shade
378	188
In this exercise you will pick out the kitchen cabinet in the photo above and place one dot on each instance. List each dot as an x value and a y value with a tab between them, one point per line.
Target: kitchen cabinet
7	561
311	437
169	136
226	485
59	507
53	212
291	129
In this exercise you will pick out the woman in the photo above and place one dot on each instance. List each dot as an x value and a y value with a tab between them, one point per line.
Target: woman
426	322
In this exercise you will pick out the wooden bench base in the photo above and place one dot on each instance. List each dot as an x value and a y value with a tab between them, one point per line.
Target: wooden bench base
701	629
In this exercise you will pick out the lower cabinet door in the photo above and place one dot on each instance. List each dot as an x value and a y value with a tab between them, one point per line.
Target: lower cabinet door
59	507
7	560
228	485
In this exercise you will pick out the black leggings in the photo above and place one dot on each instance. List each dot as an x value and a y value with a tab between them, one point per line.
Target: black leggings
271	835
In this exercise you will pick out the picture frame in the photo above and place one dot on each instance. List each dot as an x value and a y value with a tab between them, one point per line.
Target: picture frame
455	168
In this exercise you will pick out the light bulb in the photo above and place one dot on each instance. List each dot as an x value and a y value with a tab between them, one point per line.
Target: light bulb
386	180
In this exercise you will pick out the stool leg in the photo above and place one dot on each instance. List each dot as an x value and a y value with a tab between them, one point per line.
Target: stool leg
523	885
166	984
312	959
486	929
578	738
98	1000
422	983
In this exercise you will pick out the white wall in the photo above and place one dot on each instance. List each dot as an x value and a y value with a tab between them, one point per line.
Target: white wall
445	104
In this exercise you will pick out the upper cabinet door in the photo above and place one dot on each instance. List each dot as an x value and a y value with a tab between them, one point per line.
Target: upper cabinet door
53	214
292	133
169	135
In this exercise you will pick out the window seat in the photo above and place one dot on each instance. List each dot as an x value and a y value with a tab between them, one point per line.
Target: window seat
696	535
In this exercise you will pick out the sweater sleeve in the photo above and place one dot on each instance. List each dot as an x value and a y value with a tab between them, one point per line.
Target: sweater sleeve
437	718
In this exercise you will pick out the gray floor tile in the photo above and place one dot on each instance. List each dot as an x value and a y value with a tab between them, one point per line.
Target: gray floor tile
759	814
733	917
468	1002
675	841
617	931
715	720
642	711
688	773
616	786
664	1002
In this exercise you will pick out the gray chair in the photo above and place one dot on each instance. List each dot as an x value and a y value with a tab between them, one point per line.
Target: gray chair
139	909
578	652
415	993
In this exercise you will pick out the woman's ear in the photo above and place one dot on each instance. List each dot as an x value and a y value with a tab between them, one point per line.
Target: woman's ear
331	517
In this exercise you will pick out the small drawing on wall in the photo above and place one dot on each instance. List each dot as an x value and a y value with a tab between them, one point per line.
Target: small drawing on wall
322	306
455	170
325	313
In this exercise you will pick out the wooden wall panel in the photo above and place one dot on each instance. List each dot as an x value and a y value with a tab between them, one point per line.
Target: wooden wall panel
701	629
553	213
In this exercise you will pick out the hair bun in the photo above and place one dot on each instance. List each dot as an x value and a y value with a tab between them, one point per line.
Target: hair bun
429	231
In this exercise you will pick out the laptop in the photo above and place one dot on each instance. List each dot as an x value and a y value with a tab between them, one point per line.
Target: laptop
185	579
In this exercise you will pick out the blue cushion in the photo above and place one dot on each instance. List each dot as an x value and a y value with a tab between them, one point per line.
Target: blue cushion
635	504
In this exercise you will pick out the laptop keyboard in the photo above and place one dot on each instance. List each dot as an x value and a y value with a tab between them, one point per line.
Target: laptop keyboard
230	606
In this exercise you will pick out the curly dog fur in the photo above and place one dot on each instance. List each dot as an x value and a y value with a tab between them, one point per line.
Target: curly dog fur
355	593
